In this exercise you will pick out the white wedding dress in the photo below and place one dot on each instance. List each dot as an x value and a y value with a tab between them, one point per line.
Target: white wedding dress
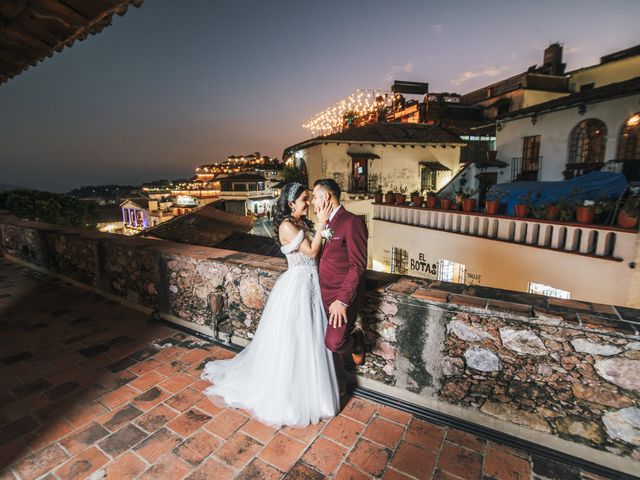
285	376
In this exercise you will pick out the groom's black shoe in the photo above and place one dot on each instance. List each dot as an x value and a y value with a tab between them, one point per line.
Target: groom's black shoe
358	348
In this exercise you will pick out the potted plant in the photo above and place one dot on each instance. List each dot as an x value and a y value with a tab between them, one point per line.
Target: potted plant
445	201
377	195
432	200
630	212
523	205
389	197
416	198
401	196
494	196
467	202
567	210
552	210
585	213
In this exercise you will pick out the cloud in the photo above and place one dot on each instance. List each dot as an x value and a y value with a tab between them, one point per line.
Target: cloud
391	75
438	28
480	71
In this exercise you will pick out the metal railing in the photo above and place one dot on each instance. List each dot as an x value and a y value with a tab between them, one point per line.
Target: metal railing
529	169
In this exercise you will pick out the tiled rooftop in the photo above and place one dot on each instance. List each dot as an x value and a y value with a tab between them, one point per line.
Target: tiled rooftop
91	390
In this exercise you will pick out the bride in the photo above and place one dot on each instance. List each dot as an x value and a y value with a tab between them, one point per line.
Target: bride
285	376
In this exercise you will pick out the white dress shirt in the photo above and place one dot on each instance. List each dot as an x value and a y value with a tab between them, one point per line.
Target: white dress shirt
333	213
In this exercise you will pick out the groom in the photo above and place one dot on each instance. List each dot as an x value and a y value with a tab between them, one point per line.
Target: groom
343	261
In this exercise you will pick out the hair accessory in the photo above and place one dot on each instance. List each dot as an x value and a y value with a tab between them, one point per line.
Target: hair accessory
295	186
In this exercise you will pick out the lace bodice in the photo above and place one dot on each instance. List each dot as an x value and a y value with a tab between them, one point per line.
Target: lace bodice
294	257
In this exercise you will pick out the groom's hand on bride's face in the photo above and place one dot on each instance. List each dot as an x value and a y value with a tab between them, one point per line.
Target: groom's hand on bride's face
337	314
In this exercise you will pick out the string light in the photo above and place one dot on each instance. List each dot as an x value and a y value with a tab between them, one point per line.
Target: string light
360	103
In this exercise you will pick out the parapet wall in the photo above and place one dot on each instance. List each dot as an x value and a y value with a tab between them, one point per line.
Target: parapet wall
551	368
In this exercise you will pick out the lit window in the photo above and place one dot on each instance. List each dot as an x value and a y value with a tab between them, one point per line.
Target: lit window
399	261
546	290
451	271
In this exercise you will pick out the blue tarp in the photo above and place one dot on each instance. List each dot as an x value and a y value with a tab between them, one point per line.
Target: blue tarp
591	186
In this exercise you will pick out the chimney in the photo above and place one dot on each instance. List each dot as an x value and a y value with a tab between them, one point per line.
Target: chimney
553	60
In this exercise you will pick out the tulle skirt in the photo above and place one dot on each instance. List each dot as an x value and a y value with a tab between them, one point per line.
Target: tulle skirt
285	376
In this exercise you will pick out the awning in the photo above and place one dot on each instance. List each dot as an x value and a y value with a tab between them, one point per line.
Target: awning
435	166
362	155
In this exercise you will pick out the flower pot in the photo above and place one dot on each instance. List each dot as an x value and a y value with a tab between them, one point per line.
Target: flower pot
626	221
522	211
432	201
492	206
445	203
552	212
585	214
400	198
468	204
417	200
389	198
377	197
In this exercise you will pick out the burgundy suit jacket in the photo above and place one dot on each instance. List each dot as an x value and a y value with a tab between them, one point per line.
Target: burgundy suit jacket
343	260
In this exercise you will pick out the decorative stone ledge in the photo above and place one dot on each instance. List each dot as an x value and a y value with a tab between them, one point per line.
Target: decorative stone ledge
565	369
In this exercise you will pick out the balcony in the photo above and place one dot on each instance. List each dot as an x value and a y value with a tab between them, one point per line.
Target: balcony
362	184
97	377
599	241
527	169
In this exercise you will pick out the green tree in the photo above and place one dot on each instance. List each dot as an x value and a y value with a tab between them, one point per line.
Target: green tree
56	208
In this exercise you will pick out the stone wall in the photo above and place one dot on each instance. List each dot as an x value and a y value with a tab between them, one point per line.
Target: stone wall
570	369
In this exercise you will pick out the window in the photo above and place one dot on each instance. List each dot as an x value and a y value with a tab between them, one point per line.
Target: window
540	289
587	144
451	271
428	180
629	141
530	158
399	261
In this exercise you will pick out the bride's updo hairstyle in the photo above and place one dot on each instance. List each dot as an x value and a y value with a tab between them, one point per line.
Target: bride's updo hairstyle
282	211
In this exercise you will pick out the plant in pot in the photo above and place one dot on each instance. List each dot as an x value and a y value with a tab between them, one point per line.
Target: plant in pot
492	202
446	200
467	201
432	200
401	196
461	187
416	198
377	195
523	205
390	197
630	212
567	209
585	213
552	209
602	209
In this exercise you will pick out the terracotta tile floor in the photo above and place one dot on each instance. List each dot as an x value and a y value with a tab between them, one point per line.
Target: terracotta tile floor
90	390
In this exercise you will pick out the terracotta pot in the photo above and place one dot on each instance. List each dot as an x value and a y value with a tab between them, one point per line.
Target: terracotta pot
492	206
552	213
417	200
626	221
585	214
377	197
400	198
389	198
432	201
445	203
468	204
522	211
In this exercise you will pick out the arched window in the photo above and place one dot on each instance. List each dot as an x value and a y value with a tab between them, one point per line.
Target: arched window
629	140
586	151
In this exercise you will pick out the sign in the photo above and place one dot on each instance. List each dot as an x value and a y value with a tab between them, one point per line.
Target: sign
423	267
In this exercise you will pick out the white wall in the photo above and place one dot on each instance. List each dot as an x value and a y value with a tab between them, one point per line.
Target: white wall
510	265
555	129
397	166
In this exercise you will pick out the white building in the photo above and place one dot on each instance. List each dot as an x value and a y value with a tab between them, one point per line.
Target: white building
596	123
390	156
593	263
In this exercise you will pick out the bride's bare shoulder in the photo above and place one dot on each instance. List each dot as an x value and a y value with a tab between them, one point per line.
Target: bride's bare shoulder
287	231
